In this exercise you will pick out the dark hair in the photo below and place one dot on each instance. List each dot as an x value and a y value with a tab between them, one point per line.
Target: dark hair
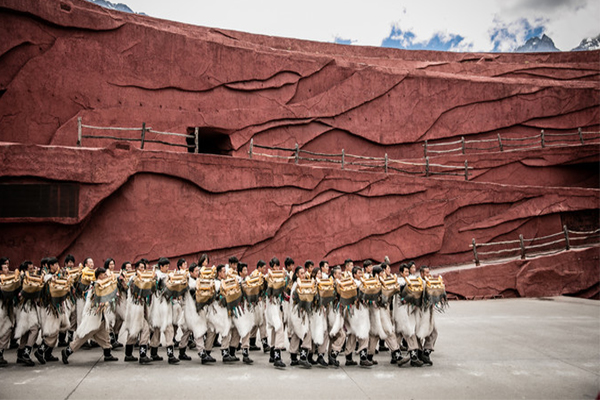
355	270
233	260
403	267
260	264
377	270
336	268
241	266
107	262
423	268
322	263
99	271
180	262
220	267
138	263
3	260
24	265
348	261
296	270
366	263
192	268
163	261
274	261
52	261
314	272
308	263
124	265
44	261
69	257
288	261
202	258
411	263
86	260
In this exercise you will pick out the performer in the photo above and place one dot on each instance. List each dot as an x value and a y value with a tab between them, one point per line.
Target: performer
356	317
65	336
10	285
407	313
299	317
435	299
276	282
260	323
27	312
98	315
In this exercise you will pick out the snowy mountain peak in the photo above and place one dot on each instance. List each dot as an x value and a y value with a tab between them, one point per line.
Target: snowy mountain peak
537	45
589	44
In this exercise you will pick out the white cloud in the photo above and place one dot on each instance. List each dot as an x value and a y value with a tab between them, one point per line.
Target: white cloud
369	22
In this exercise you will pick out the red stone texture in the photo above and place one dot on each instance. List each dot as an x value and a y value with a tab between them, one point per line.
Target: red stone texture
60	60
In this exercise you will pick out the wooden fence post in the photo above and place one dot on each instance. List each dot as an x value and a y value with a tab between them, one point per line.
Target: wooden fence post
462	140
543	140
466	170
427	167
297	154
196	140
343	158
580	135
79	132
566	231
475	253
425	149
500	143
251	147
386	163
143	134
522	247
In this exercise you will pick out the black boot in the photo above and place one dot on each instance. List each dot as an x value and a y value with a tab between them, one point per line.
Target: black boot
364	361
48	356
3	362
183	356
108	355
253	346
246	356
144	359
272	355
333	359
382	346
311	359
293	359
40	353
226	356
26	357
65	353
425	357
321	360
19	355
232	353
113	341
171	355
370	358
62	339
129	353
303	362
414	359
265	345
154	354
349	361
395	356
278	363
209	358
403	360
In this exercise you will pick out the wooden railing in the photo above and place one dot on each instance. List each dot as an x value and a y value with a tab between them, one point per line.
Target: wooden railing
556	242
144	130
346	160
504	143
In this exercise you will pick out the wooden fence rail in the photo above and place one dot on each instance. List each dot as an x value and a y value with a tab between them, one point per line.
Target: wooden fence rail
503	143
378	163
144	130
566	236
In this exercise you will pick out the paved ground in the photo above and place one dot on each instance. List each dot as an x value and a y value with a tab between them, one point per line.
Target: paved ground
494	349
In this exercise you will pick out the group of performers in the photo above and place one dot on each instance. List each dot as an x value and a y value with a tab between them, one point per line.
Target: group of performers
316	312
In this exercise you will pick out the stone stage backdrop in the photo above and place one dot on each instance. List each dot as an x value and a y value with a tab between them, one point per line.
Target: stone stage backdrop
515	136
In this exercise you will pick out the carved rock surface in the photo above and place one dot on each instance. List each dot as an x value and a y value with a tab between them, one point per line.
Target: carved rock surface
62	60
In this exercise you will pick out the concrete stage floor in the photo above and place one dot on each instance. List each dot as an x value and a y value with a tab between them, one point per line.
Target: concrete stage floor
492	349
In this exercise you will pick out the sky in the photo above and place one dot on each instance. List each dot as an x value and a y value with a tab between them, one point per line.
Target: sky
454	25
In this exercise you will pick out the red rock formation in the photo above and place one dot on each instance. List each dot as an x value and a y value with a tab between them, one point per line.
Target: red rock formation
61	60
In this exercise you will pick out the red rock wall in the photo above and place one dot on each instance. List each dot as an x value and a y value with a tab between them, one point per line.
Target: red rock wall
60	60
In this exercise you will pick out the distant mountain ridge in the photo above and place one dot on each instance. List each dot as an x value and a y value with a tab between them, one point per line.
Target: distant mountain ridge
533	45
